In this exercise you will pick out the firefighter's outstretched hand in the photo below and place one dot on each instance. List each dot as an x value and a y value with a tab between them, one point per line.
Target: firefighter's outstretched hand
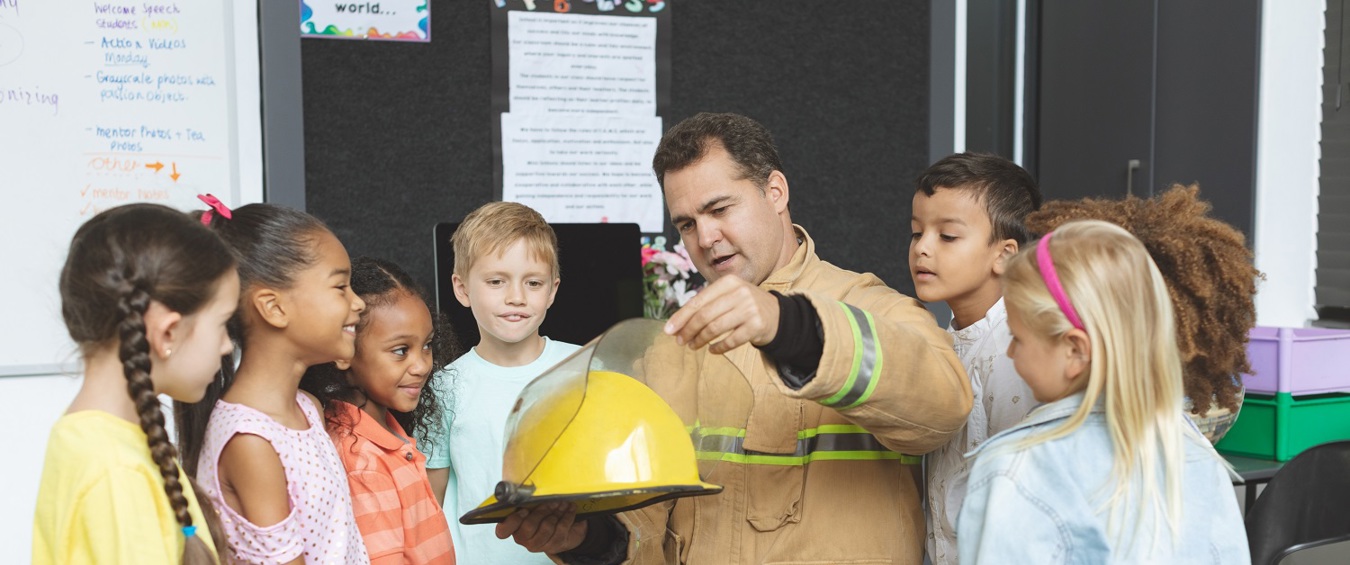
730	307
550	528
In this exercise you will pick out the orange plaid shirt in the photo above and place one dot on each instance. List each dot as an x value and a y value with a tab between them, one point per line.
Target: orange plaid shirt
391	497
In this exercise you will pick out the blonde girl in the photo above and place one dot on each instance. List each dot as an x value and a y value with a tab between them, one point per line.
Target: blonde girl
145	292
1108	469
258	443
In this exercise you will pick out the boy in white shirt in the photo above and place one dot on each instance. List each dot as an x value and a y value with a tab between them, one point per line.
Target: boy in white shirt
506	272
968	220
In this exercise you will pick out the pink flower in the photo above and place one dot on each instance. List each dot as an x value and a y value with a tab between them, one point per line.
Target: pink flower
679	248
675	264
647	254
667	276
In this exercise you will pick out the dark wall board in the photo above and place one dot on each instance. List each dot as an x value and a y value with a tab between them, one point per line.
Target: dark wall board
398	135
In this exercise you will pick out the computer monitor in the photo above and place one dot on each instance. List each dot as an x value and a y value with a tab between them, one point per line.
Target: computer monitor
601	282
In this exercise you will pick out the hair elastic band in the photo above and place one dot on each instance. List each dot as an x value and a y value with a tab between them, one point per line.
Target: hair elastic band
215	204
189	531
1052	282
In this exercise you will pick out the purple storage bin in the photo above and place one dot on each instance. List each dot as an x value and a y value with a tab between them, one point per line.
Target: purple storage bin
1299	361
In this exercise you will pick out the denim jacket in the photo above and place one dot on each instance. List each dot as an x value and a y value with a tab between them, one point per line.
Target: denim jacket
1046	503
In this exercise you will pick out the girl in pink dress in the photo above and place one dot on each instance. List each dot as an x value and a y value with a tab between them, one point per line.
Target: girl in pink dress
257	444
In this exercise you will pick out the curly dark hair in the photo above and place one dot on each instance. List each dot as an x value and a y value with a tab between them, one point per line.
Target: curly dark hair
378	283
1209	274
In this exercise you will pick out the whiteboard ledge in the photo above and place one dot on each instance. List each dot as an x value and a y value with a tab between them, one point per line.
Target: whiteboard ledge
38	370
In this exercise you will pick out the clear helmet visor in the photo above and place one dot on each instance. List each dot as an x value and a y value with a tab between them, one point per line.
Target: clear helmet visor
618	425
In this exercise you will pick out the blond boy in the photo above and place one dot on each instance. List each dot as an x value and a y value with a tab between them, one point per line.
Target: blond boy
506	272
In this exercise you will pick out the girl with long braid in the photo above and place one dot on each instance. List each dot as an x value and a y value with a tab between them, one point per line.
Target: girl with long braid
146	292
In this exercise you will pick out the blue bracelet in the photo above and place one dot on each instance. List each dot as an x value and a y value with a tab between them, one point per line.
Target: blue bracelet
189	531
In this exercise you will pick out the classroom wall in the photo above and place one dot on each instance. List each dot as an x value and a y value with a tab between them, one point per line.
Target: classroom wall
33	405
1287	152
398	136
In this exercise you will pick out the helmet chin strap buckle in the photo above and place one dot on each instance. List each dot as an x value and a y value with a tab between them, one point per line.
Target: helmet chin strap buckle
513	494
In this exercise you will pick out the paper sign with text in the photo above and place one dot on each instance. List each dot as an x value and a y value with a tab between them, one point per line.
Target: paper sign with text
387	20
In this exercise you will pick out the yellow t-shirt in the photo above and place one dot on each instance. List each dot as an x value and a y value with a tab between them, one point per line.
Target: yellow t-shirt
102	499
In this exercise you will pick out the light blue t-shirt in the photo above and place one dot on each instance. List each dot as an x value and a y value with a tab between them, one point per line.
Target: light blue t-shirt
482	395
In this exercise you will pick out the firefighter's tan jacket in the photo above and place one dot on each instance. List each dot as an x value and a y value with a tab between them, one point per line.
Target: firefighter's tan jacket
815	475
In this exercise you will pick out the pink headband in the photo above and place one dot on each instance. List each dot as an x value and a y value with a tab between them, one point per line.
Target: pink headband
215	204
1052	282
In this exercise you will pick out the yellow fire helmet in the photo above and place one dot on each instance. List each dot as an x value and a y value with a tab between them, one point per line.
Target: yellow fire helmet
593	431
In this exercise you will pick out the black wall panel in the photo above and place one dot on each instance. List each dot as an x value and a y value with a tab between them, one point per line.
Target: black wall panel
398	135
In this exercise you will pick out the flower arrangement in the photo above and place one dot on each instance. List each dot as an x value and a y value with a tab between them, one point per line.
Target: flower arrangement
667	278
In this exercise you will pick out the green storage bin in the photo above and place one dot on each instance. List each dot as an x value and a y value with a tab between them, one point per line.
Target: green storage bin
1282	425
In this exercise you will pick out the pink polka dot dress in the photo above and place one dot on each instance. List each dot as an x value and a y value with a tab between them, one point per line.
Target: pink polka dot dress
320	526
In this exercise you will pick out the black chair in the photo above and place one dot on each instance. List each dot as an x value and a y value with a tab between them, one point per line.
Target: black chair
1306	504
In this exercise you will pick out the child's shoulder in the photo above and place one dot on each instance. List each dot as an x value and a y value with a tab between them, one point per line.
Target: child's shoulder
554	352
92	446
1086	445
558	349
467	363
94	434
230	419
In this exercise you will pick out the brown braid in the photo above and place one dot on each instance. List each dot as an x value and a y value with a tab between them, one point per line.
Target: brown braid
1209	274
134	352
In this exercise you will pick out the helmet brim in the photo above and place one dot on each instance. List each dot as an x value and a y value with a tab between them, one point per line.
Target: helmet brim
492	511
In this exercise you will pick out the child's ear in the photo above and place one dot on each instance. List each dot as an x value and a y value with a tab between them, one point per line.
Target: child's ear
268	305
1079	352
1007	248
461	291
163	329
553	294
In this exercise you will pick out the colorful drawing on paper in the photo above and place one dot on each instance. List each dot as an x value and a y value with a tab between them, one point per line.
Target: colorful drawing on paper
384	20
599	6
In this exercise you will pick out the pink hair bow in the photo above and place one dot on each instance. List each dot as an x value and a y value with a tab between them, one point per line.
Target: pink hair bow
216	205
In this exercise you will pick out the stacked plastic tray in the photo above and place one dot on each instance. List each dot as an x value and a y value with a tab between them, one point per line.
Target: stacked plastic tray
1298	394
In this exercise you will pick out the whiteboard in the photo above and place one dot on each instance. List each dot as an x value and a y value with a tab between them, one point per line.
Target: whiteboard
105	103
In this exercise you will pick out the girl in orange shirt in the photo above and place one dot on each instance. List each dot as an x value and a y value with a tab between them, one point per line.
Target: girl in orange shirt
379	405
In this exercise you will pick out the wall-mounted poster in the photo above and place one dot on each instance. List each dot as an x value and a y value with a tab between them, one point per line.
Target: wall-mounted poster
580	87
385	20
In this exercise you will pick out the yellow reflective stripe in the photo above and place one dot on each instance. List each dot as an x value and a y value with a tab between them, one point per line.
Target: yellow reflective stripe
727	431
801	434
831	429
857	358
876	366
817	456
866	343
761	459
835	436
